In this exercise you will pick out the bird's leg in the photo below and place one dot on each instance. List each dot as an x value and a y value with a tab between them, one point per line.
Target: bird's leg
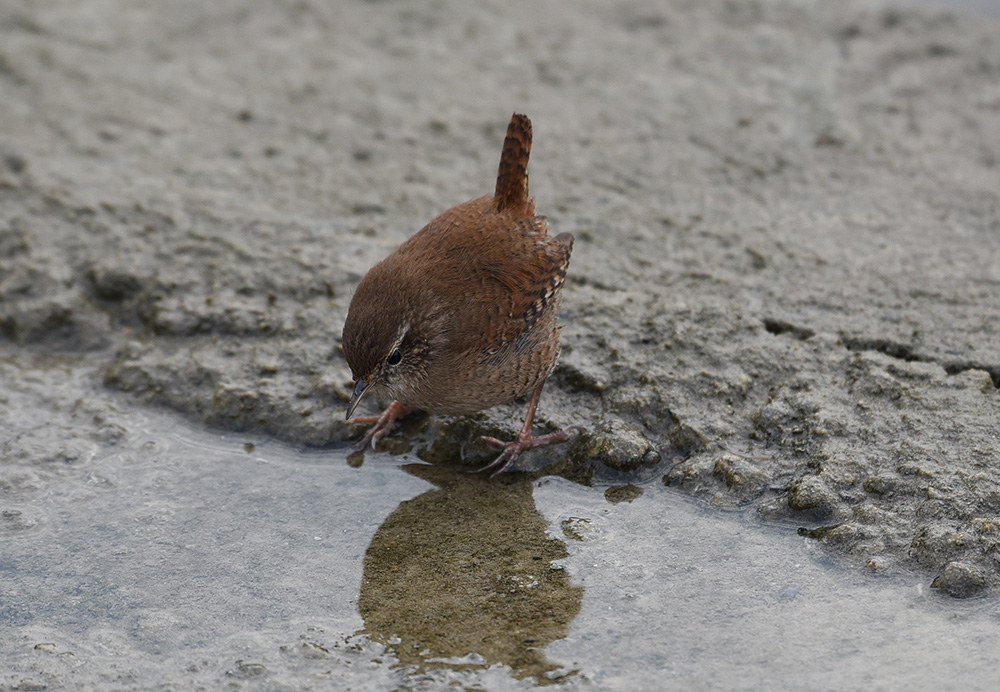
525	440
383	424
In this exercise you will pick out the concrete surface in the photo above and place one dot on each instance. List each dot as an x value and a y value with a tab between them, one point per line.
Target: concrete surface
785	293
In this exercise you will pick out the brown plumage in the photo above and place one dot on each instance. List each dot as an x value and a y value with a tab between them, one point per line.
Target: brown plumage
462	316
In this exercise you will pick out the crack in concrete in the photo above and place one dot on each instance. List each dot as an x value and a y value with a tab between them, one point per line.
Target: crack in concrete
891	348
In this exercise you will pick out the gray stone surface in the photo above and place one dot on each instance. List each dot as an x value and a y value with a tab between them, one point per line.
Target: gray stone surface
785	291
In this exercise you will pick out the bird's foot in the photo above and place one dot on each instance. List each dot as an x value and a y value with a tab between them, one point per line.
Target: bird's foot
383	424
524	441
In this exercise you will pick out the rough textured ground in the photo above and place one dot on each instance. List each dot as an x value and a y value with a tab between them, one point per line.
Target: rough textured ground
787	219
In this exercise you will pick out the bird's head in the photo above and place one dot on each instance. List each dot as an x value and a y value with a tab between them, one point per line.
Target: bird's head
383	338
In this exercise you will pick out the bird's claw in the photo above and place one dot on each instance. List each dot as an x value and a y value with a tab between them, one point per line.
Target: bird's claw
524	441
382	425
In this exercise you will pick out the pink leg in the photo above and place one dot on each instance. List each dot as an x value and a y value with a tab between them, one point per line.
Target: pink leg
525	440
383	424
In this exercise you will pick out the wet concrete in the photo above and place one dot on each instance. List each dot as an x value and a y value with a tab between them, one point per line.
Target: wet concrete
167	555
784	295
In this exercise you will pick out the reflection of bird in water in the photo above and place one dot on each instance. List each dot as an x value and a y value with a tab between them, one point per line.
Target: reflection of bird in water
467	568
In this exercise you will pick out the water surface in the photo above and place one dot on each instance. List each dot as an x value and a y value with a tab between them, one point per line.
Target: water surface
145	552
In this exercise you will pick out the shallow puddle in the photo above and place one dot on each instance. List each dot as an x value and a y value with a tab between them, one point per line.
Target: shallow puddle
164	555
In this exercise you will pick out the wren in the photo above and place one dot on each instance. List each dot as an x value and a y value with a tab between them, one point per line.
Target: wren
462	316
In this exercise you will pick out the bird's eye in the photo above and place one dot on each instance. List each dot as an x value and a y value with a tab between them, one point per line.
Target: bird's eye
394	357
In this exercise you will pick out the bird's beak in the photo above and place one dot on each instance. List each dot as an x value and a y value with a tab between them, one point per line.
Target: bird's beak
359	391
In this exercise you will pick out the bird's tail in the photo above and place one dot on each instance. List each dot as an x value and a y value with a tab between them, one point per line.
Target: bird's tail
512	177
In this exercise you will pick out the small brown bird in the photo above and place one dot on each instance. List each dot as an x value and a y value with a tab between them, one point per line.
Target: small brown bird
462	316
